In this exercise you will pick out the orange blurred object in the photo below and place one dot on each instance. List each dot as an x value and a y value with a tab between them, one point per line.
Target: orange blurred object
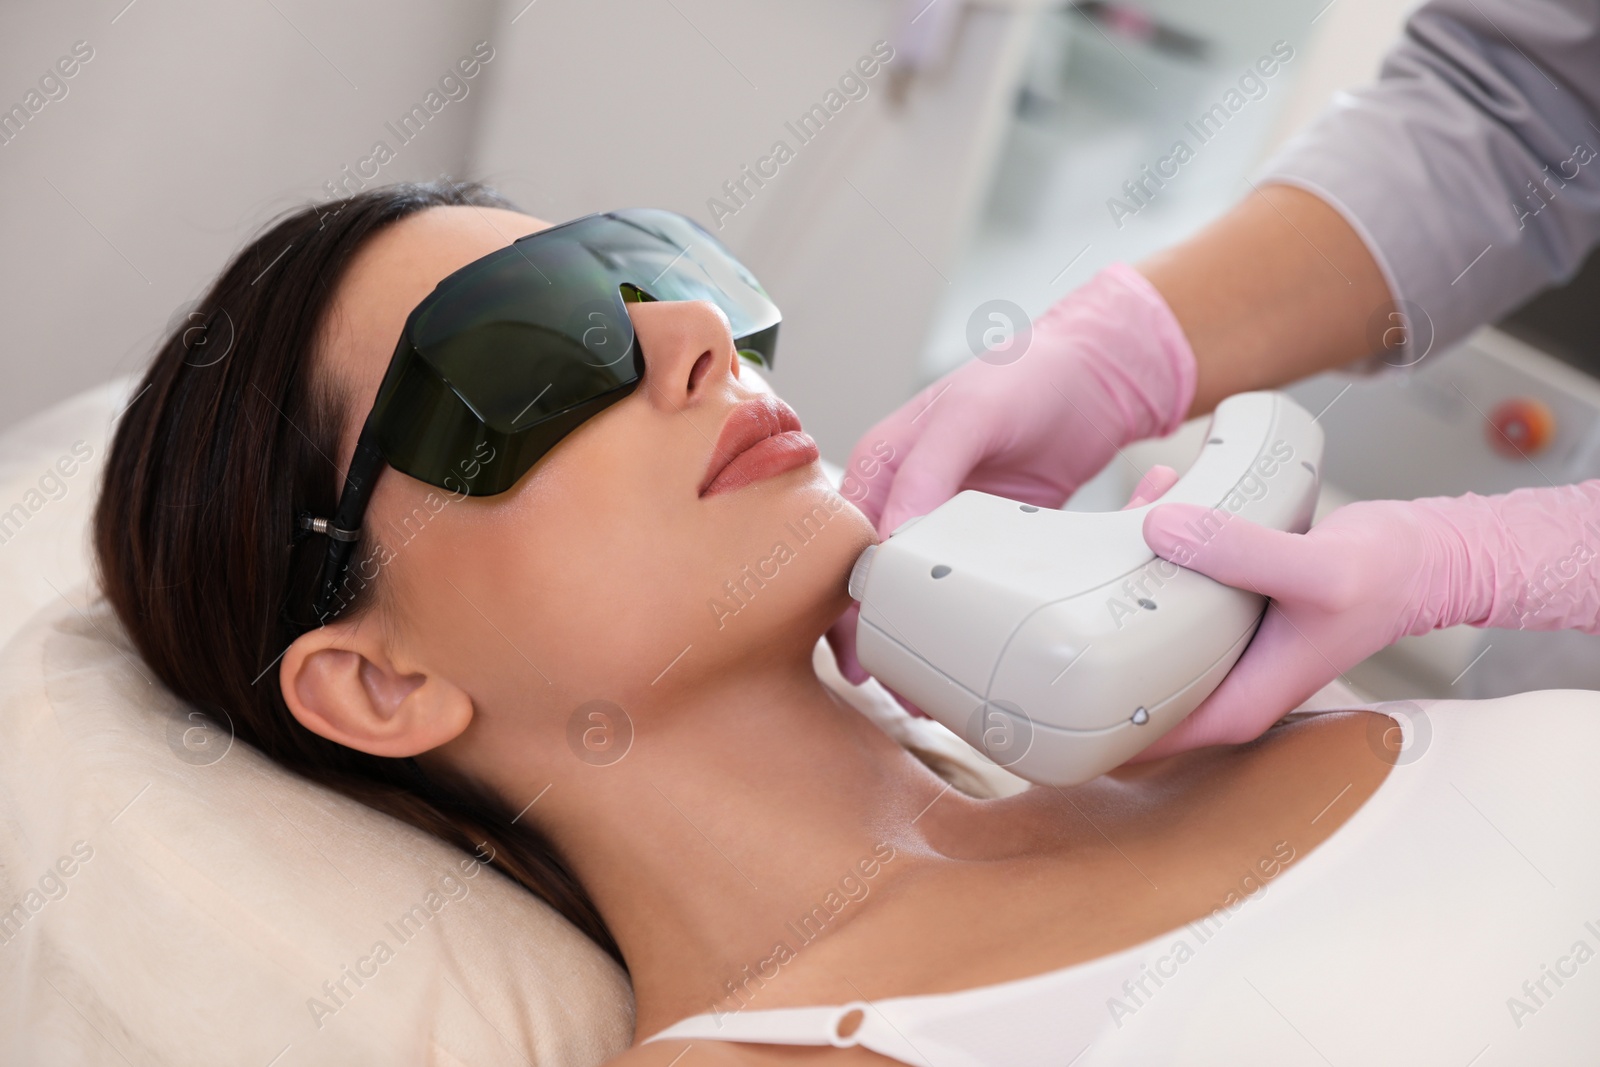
1520	427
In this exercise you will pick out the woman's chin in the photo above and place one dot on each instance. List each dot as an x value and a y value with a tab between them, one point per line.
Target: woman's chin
798	537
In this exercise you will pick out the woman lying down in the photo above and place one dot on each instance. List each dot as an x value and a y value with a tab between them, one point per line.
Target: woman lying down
486	533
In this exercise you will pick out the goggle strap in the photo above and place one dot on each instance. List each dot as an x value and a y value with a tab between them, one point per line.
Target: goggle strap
365	465
318	524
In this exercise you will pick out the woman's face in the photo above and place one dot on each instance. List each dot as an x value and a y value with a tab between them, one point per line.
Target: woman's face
604	573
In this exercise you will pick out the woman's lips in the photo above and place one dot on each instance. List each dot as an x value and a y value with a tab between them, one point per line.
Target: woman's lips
761	438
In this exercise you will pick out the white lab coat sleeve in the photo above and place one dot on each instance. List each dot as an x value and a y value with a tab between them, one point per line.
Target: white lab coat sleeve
1470	167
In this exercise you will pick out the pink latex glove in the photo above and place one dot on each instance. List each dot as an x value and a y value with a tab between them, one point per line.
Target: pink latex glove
1106	365
1373	572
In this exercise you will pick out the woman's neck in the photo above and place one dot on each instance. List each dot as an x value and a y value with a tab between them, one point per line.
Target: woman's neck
751	821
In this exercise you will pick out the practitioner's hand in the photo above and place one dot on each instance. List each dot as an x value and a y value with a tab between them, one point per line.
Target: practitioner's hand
1154	484
1367	575
1373	572
1106	365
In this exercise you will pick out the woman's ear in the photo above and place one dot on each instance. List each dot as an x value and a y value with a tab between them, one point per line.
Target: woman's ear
344	682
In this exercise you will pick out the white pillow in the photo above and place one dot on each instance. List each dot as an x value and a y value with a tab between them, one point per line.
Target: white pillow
50	468
161	904
167	896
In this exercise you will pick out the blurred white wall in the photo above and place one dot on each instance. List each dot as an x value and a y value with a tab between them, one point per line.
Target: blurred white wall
191	126
194	124
1347	51
620	102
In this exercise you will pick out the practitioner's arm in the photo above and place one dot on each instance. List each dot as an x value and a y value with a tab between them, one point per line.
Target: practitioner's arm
1463	181
1279	288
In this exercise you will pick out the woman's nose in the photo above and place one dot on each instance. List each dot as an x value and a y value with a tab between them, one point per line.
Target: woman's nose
688	350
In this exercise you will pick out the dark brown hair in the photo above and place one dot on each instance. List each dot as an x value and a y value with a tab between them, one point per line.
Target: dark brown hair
227	441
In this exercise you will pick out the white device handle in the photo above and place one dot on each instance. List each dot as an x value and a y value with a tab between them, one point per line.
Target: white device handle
1057	642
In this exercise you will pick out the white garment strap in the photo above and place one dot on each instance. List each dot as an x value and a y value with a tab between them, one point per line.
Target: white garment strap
1045	1020
868	1027
779	1026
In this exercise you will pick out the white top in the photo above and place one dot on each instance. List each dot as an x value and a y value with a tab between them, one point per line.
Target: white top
1453	919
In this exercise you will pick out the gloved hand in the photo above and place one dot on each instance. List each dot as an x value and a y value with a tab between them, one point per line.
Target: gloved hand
1156	481
1107	364
1373	572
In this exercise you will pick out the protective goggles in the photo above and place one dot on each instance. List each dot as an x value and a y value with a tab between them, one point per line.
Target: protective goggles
517	349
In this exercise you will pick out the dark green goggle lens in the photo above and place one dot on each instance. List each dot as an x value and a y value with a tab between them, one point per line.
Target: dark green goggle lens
514	351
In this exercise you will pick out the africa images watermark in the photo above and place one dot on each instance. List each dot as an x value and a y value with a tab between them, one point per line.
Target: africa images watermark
201	738
1140	190
1137	593
411	526
1526	207
853	486
1536	992
52	886
853	85
52	86
53	484
1554	577
453	85
799	932
1137	991
599	732
741	589
337	992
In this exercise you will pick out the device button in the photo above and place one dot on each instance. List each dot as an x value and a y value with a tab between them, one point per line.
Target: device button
1520	427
